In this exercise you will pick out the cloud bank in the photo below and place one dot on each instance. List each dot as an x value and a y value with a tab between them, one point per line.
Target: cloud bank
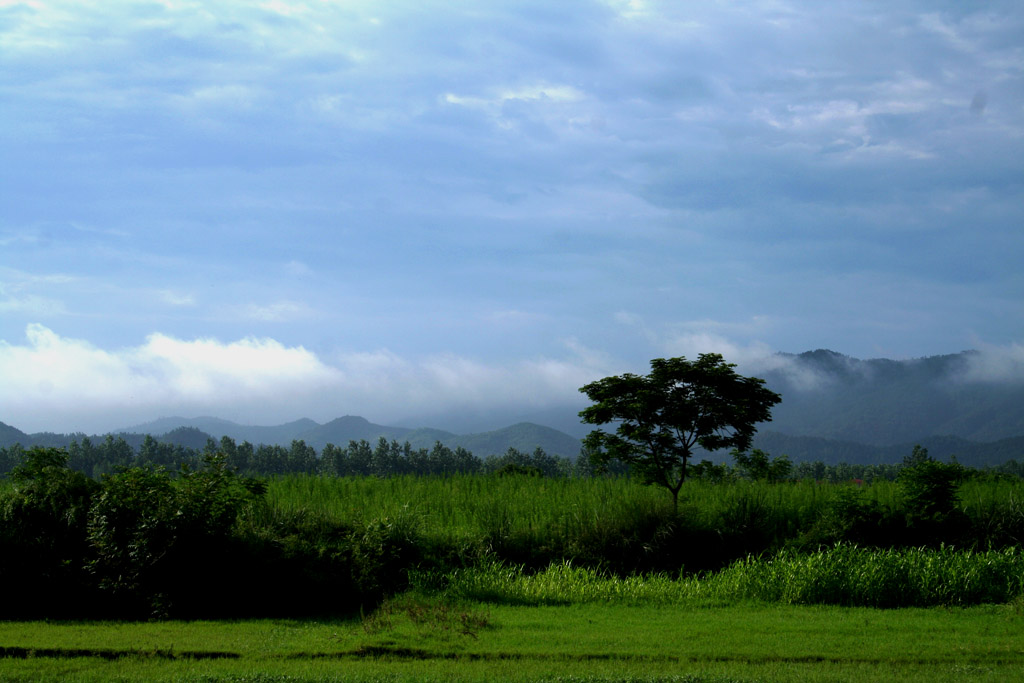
55	383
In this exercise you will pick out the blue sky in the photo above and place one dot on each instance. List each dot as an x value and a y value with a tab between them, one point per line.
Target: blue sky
269	210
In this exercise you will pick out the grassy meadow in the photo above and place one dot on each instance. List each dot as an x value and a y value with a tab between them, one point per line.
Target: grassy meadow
592	579
621	526
413	638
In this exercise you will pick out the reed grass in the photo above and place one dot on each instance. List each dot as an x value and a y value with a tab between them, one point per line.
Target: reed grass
844	575
632	527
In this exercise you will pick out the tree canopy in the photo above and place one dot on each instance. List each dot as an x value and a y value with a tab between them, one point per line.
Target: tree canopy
662	417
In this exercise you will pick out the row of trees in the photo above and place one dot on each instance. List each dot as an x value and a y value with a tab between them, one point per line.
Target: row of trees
358	458
390	458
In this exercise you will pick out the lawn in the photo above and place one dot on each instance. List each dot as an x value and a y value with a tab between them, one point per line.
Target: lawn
415	638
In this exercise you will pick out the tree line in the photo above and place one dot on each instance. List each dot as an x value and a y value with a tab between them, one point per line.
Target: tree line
205	541
358	458
391	458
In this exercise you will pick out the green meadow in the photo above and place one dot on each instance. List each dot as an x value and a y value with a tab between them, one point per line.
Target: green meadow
416	638
524	578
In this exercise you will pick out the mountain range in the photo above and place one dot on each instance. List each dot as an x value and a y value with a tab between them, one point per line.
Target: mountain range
971	395
193	432
835	408
523	436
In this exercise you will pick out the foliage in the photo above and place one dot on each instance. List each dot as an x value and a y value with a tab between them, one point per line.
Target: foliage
425	638
681	405
760	466
153	536
852	576
203	541
930	487
42	533
841	575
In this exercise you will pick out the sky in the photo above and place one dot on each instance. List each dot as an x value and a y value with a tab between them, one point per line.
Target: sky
408	210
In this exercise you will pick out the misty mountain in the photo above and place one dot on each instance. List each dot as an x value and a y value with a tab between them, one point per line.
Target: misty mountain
834	408
832	452
523	436
352	428
885	402
279	434
187	437
10	436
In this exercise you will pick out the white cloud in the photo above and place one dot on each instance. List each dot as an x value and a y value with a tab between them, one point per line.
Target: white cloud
280	311
692	344
537	92
175	298
31	304
56	383
993	363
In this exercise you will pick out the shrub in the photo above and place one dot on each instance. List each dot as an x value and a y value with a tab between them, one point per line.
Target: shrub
931	496
158	544
43	536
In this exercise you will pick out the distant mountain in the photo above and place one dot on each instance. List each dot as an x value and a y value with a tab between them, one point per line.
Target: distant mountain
523	436
831	452
279	434
885	402
188	437
10	436
351	428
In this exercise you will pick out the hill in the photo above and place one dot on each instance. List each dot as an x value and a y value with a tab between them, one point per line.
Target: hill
10	436
255	434
885	402
523	436
832	452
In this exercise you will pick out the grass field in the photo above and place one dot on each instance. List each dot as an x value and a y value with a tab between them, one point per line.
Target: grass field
524	579
424	639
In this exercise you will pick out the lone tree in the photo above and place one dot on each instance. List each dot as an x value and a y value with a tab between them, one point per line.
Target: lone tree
663	416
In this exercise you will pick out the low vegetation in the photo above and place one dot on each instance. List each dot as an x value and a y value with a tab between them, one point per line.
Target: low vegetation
202	542
512	575
842	575
412	638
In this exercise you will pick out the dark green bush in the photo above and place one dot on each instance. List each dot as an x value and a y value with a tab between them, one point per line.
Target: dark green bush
931	499
43	536
158	543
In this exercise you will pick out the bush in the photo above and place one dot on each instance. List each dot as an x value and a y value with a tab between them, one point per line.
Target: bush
931	496
43	536
159	545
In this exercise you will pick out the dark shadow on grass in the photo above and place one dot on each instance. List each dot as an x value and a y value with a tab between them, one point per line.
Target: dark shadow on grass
108	654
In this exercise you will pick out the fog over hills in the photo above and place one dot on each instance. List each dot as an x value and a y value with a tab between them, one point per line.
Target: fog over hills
835	408
884	402
522	436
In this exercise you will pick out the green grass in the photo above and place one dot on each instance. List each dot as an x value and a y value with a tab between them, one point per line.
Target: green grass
844	575
578	620
622	526
472	505
421	639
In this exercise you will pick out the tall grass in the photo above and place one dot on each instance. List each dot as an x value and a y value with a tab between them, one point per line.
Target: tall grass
523	519
852	576
844	575
625	527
